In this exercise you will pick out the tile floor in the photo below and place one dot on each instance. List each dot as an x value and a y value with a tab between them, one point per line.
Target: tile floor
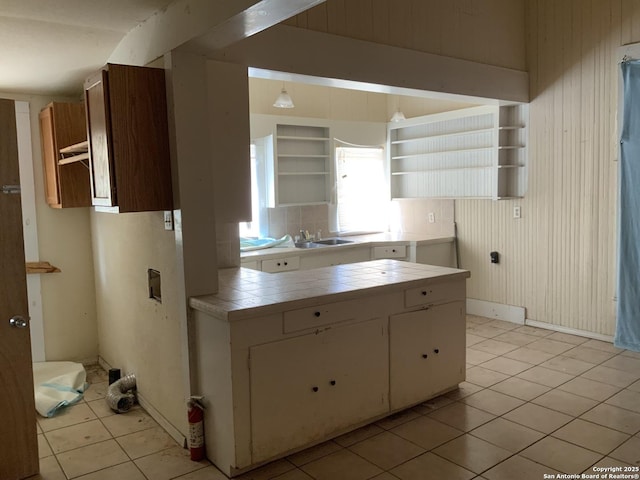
534	402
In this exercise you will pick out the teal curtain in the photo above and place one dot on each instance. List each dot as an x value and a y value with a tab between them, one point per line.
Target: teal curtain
628	310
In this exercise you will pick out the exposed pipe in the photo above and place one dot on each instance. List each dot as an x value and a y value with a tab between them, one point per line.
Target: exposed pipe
121	394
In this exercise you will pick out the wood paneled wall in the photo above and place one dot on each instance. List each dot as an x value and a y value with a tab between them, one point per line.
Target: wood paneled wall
558	260
485	31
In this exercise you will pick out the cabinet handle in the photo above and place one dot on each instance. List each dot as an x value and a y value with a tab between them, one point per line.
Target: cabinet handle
315	389
285	264
332	382
424	355
424	292
278	263
436	350
317	314
394	250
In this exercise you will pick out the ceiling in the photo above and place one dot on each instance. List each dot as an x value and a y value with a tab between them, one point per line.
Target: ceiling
50	46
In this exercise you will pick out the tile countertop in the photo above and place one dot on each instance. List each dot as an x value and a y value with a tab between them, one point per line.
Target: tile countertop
370	240
247	293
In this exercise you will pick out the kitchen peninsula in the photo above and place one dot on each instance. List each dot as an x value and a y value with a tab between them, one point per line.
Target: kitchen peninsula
289	360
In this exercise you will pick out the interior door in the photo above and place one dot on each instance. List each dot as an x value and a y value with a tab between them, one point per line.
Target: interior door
18	440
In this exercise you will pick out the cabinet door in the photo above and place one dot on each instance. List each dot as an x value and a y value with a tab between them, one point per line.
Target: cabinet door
303	389
49	156
63	125
427	353
99	133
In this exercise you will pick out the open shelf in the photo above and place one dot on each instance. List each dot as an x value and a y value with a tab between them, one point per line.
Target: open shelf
477	152
78	152
300	169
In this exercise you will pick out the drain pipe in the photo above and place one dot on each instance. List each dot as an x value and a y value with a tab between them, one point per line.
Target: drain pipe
121	394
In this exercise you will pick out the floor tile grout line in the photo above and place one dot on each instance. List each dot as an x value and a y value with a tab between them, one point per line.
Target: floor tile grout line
79	477
481	388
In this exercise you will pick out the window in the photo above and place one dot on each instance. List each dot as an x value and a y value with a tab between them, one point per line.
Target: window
362	193
252	228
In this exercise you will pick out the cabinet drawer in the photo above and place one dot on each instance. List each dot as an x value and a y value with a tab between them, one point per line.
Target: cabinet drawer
281	264
327	314
434	293
390	251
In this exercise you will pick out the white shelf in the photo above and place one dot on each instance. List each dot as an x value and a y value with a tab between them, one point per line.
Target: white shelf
81	147
303	139
78	152
442	135
301	166
477	152
295	155
445	169
302	173
462	150
75	158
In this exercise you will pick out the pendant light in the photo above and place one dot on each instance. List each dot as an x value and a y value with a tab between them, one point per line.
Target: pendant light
398	115
283	100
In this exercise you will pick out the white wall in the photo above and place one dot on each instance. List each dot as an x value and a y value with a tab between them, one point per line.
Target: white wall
559	258
138	334
64	240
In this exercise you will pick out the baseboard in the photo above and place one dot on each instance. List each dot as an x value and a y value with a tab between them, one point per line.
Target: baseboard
103	363
570	331
510	313
499	311
155	414
164	423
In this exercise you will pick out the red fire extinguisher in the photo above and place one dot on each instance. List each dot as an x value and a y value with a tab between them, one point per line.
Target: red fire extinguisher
196	428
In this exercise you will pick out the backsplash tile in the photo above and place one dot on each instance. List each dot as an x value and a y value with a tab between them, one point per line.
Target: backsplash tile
290	220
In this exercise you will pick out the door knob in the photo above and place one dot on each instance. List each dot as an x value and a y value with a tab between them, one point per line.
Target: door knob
18	322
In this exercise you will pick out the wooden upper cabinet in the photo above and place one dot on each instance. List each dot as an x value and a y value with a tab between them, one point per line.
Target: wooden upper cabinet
128	139
63	125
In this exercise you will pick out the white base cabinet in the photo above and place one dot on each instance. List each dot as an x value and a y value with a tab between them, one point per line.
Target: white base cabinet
426	355
305	388
279	380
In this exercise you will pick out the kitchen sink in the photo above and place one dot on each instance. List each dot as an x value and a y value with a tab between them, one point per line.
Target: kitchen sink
322	243
307	245
333	241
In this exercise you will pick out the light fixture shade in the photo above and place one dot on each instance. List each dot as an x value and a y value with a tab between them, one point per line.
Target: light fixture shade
283	100
398	116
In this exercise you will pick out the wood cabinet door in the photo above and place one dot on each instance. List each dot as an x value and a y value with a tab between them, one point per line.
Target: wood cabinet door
49	156
427	353
139	138
306	388
70	128
99	136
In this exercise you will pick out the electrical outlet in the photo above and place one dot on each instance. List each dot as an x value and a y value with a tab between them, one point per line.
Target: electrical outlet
516	211
168	220
432	218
